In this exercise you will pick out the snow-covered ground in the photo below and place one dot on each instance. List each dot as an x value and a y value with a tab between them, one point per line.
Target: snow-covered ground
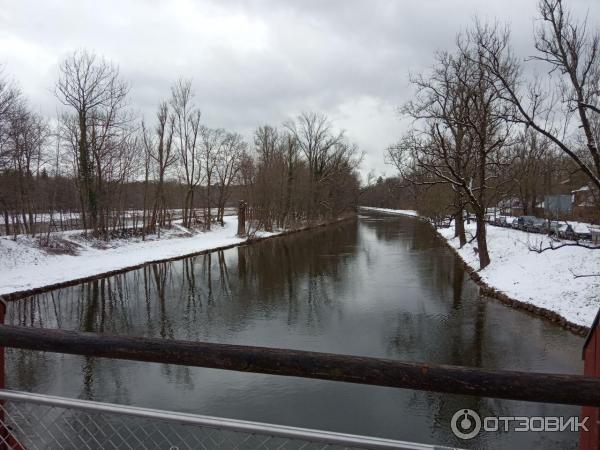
398	212
547	280
23	265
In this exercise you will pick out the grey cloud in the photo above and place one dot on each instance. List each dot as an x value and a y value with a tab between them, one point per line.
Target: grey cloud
257	61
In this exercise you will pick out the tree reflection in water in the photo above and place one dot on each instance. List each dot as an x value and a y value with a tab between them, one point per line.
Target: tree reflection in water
381	286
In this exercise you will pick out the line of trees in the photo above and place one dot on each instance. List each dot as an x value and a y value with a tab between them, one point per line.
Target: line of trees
22	137
98	167
305	171
483	132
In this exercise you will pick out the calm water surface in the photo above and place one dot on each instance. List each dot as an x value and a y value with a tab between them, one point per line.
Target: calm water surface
381	286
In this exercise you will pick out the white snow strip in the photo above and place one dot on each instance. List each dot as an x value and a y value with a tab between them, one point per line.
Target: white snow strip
23	265
398	212
543	279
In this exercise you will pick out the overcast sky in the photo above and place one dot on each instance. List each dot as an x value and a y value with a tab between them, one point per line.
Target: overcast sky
256	62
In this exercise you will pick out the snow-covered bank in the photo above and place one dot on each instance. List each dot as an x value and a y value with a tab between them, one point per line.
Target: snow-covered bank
546	280
398	212
24	266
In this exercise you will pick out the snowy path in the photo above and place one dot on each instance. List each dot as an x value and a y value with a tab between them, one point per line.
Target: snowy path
543	279
24	266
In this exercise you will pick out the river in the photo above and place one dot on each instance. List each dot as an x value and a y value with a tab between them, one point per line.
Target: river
380	286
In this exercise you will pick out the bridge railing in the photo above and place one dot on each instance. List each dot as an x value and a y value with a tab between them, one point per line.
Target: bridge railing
583	390
505	384
32	421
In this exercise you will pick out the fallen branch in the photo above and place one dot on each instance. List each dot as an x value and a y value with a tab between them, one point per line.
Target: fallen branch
542	249
584	275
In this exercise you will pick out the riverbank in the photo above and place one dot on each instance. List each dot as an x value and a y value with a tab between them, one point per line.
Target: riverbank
549	283
27	269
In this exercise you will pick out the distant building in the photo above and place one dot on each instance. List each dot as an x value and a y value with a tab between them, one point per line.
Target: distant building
511	206
557	206
585	203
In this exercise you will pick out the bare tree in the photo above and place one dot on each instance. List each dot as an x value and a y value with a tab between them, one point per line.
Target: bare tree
212	141
445	98
162	156
267	185
93	89
566	113
105	168
290	151
463	132
302	174
187	129
326	152
27	134
228	165
9	96
532	165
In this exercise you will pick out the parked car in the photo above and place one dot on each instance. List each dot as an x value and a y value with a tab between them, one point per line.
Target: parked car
524	222
501	221
553	228
515	223
583	235
537	225
595	233
567	232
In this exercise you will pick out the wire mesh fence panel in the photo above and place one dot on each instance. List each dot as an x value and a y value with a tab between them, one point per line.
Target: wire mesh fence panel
33	426
31	421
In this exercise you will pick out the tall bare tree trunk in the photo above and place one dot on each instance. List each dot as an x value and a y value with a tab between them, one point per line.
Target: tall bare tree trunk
482	248
459	228
241	230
